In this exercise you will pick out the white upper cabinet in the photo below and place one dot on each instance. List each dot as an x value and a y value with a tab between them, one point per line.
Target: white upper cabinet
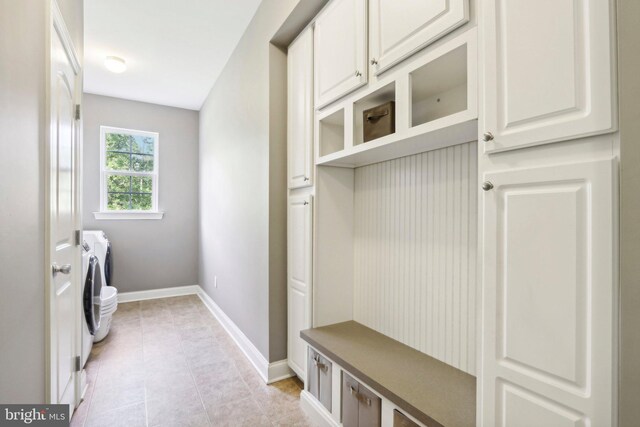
547	71
300	111
399	28
340	50
549	296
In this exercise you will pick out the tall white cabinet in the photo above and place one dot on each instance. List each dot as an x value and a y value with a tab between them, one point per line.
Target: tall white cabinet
549	287
300	205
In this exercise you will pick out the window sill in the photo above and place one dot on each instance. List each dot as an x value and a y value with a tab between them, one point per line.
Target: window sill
128	215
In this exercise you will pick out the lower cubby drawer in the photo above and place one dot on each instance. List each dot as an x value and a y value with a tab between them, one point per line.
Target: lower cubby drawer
401	420
319	370
360	406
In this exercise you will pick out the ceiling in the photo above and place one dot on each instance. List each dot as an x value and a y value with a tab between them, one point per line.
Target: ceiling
174	49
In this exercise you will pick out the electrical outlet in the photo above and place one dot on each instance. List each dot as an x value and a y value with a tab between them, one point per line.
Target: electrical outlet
215	281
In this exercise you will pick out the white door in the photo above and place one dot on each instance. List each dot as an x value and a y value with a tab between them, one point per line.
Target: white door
399	28
300	233
300	110
549	297
340	50
547	71
64	282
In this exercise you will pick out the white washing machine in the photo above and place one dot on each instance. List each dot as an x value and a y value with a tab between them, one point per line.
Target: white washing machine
99	243
91	301
101	247
91	307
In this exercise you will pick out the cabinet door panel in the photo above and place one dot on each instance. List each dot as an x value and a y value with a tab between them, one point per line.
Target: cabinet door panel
299	279
399	28
300	110
547	71
369	410
340	50
549	296
350	403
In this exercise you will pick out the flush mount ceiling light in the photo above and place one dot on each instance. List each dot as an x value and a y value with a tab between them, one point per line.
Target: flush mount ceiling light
115	64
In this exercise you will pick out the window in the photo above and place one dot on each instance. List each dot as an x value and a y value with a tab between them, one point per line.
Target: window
129	172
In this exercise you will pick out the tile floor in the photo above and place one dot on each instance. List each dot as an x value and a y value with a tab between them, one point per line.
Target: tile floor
168	362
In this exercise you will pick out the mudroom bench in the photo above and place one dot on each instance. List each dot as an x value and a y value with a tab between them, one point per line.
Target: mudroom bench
360	377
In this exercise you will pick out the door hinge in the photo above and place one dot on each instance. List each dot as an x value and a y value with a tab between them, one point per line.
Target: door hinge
77	237
77	113
78	364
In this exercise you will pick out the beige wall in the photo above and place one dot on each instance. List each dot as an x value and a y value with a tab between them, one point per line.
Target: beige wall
238	162
23	30
243	178
629	84
148	254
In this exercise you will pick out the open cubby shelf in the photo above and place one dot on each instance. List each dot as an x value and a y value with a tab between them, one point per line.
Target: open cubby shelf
331	135
380	96
435	105
439	88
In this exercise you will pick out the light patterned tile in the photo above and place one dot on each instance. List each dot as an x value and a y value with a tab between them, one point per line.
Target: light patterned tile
116	392
163	384
238	413
165	363
169	362
126	416
199	419
223	391
173	407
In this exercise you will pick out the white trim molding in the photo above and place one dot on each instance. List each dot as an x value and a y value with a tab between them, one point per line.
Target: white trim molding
269	372
158	293
279	370
128	215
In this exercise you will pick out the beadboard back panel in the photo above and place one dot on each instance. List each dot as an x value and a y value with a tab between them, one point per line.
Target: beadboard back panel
415	252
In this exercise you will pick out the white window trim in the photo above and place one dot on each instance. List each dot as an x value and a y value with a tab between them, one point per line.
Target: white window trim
105	213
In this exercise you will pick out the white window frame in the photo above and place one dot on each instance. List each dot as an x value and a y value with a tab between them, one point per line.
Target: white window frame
105	213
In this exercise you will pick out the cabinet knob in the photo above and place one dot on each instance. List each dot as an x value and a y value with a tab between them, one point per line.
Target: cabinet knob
488	136
305	203
374	61
306	178
64	269
358	73
487	185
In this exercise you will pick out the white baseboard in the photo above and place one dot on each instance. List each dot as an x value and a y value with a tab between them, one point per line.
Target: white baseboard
317	413
280	370
158	293
269	372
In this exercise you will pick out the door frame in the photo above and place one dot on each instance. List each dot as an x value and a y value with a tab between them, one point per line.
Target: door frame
56	26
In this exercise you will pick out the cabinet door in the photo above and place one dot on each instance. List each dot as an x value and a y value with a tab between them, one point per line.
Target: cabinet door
350	402
300	110
370	408
399	28
340	50
326	376
547	71
549	297
299	280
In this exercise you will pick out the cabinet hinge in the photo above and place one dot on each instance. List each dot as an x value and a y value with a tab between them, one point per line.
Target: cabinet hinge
77	113
77	237
78	364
